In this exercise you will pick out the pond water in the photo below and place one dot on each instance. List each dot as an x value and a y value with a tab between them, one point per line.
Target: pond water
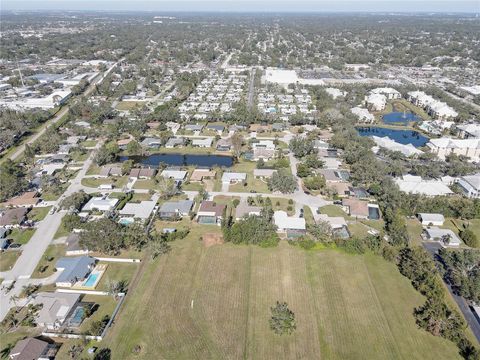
399	117
207	161
401	136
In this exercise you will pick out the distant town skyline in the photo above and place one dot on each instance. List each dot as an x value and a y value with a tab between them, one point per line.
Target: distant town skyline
271	6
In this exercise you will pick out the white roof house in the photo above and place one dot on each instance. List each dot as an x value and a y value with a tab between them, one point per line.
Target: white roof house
205	142
416	185
141	210
285	222
177	175
335	222
431	219
437	234
230	177
100	203
56	308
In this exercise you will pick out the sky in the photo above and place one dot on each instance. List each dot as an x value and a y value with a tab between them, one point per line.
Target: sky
459	6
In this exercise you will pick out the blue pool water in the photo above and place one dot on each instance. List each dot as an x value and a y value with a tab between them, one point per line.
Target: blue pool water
77	317
399	117
92	278
126	221
404	137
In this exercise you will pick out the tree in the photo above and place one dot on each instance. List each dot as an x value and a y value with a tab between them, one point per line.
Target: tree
315	182
303	170
12	179
75	201
104	235
158	247
469	238
237	143
300	146
283	319
167	187
107	153
134	148
282	181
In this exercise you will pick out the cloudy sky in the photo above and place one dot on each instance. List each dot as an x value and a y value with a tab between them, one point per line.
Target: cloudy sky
471	6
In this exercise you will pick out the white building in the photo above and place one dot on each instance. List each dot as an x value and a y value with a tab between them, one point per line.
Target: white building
416	185
287	223
376	102
362	114
470	185
100	203
390	93
387	143
446	237
445	146
428	219
434	107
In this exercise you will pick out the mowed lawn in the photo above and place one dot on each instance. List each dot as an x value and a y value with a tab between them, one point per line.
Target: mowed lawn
199	303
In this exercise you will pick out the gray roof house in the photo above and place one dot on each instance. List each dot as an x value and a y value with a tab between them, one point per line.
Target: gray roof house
73	245
73	269
193	127
31	348
56	308
151	142
218	128
172	209
173	142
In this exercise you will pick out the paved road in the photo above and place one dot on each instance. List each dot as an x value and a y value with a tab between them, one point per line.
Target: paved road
21	148
251	88
472	320
33	251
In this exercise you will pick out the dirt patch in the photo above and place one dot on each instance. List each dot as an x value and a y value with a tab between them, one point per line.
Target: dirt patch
210	239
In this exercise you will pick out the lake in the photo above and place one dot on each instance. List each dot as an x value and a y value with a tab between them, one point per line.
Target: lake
399	117
206	161
401	136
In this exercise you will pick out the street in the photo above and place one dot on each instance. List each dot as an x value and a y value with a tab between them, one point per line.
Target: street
472	320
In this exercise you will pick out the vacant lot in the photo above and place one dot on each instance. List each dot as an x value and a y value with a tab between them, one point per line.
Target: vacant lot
198	303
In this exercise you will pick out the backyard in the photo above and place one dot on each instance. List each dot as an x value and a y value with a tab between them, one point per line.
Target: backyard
214	303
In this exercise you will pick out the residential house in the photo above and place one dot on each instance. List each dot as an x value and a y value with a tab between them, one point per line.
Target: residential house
243	209
470	185
210	213
224	144
173	209
57	307
10	218
177	175
175	142
361	209
429	219
203	142
416	185
151	142
392	145
264	149
200	174
142	173
27	199
73	247
123	143
196	128
73	270
218	128
32	349
233	177
290	225
445	146
263	173
337	224
100	203
141	210
445	236
109	170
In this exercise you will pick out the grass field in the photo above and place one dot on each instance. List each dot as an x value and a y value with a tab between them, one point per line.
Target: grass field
8	259
199	303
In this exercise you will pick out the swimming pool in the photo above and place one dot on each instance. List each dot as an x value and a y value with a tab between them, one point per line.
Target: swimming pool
91	280
77	317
